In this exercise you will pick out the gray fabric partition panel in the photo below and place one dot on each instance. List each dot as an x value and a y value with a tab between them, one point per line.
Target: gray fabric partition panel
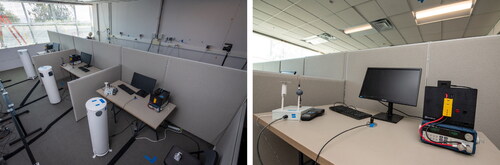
84	45
84	88
149	64
258	66
326	66
409	56
228	146
296	65
273	66
472	62
9	58
67	42
54	37
317	91
207	96
106	55
267	90
54	60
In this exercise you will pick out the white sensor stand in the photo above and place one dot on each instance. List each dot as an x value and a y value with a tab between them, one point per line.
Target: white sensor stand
293	112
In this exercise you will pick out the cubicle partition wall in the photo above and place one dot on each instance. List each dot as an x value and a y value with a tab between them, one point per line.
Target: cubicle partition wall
294	65
331	66
148	64
67	42
84	88
9	57
105	55
55	60
84	45
54	37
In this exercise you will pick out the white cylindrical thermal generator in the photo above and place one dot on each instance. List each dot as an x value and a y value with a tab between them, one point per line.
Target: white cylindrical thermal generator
28	65
98	125
49	81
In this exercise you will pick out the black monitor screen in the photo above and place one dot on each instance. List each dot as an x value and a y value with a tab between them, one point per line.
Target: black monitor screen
143	82
86	58
396	85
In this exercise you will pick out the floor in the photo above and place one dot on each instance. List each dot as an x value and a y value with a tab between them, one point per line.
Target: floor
68	141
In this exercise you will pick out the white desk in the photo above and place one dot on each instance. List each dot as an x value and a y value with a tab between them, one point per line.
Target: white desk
73	69
385	144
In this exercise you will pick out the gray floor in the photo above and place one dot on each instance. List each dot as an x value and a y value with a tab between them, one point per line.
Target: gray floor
68	141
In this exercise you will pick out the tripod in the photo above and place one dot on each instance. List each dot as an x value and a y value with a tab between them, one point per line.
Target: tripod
17	122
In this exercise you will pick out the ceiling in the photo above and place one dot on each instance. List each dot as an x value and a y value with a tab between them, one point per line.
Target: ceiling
293	20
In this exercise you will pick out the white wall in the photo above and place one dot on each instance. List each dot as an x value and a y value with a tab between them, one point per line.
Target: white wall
193	23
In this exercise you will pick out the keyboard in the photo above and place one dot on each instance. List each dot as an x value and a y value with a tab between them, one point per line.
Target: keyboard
142	93
83	69
126	89
358	115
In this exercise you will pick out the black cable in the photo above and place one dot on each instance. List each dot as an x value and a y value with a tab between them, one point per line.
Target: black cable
260	134
317	157
116	134
197	144
408	115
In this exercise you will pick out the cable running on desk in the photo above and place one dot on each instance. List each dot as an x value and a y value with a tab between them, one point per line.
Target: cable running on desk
350	129
260	134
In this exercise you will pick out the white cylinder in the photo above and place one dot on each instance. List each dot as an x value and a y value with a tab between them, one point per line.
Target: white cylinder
26	60
49	81
98	125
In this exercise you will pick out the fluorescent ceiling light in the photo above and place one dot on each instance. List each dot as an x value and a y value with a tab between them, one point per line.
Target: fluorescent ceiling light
319	39
314	40
444	12
358	28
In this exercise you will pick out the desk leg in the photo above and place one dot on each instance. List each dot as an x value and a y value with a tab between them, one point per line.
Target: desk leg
114	112
301	158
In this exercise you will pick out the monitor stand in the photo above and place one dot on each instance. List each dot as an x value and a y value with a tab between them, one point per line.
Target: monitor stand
389	116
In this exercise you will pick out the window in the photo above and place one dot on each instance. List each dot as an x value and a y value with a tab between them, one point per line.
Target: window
28	23
268	49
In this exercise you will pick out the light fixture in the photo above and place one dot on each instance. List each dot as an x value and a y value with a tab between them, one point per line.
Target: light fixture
358	28
444	12
319	39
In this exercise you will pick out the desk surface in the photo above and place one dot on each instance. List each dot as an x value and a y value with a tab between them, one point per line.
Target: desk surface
77	72
137	107
386	143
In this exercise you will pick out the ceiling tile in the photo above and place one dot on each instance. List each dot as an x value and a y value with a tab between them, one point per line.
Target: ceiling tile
282	5
311	29
416	5
355	2
392	7
281	23
432	28
344	45
371	11
367	42
411	35
431	37
355	43
301	32
351	17
301	14
403	20
453	35
455	25
484	20
272	28
379	39
257	21
486	6
268	9
315	8
261	15
336	22
394	37
294	21
336	6
472	32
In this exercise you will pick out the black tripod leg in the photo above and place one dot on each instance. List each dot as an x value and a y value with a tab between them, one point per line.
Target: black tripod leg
23	137
27	135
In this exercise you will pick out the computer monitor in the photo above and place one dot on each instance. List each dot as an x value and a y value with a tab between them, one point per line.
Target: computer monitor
145	83
56	46
86	58
392	85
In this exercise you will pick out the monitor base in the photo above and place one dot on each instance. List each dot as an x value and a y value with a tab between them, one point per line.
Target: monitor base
383	116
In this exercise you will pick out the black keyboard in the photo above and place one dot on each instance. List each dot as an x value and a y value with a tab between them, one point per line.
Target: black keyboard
358	115
83	69
126	89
